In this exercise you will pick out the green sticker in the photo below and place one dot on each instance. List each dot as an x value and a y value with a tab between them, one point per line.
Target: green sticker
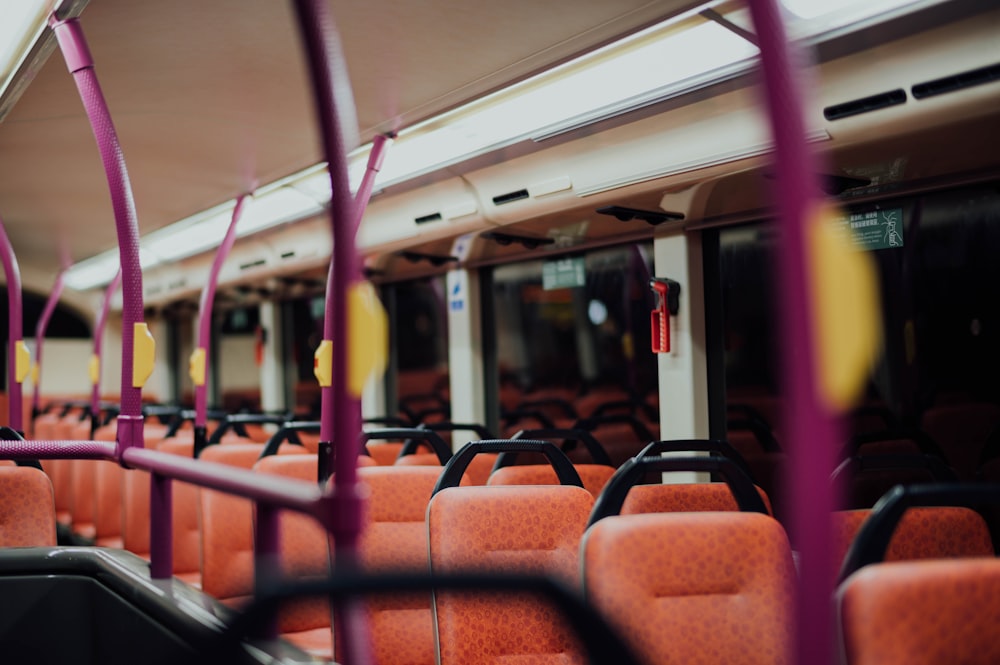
563	273
876	229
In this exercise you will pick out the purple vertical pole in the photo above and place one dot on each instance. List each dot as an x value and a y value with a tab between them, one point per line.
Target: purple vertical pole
102	322
15	415
40	328
81	66
809	423
205	324
333	97
375	158
161	529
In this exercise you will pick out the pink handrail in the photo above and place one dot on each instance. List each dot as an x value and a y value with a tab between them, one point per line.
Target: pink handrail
81	65
375	158
333	98
205	324
810	426
15	416
42	326
99	327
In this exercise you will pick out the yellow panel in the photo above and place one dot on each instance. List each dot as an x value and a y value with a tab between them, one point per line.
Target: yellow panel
367	335
323	363
22	361
196	366
94	369
143	354
845	309
36	370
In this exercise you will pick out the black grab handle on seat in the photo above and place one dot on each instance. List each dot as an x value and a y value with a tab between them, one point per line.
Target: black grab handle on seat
719	446
236	422
412	437
872	541
596	450
448	426
456	466
631	472
287	432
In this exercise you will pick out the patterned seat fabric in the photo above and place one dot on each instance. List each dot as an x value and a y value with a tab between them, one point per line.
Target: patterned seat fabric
694	587
922	613
526	528
27	508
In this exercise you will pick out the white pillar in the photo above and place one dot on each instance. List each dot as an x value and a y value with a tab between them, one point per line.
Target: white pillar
465	353
272	369
683	375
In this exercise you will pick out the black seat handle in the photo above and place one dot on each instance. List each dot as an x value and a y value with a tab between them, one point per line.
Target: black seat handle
631	472
412	437
641	431
288	432
453	470
872	541
593	446
448	426
719	446
238	421
934	465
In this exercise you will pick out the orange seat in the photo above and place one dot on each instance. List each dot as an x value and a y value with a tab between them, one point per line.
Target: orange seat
694	588
84	473
27	508
922	612
60	472
594	476
395	538
305	553
922	533
526	528
683	498
108	479
227	530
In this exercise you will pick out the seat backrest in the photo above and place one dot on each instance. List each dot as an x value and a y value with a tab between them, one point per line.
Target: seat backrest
526	528
922	612
594	476
703	588
185	502
683	498
27	508
108	480
305	546
942	532
395	538
227	529
60	472
83	473
961	430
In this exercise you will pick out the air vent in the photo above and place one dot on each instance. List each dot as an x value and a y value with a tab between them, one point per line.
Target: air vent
510	197
651	217
177	285
289	254
865	104
428	218
528	242
253	264
955	82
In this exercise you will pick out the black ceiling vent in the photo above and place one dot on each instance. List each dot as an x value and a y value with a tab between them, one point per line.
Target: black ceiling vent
428	218
833	184
651	217
959	81
434	259
528	242
510	197
865	104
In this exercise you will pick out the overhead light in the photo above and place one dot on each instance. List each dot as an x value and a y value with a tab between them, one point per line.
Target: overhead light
22	22
844	11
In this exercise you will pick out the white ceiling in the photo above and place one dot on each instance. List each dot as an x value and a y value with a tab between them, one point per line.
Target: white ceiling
209	96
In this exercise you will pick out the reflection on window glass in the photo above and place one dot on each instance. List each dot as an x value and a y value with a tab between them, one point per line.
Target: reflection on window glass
573	336
420	331
940	285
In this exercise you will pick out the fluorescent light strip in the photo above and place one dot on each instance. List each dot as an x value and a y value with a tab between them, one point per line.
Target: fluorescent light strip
22	22
682	54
